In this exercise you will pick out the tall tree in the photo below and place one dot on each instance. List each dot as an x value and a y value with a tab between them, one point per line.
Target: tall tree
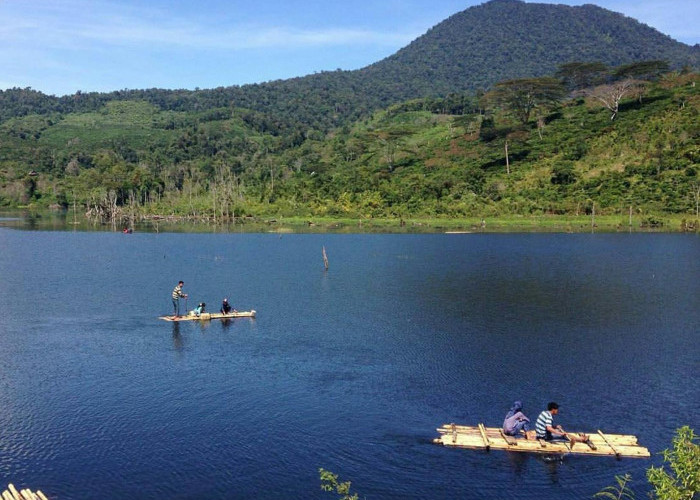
643	70
521	96
580	75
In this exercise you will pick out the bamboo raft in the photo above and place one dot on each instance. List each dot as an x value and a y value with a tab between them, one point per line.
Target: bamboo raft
11	493
487	438
210	316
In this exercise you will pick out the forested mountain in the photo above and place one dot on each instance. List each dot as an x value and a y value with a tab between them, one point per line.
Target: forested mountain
504	39
505	108
469	51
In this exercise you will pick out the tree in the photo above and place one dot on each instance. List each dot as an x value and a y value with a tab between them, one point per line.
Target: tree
329	482
644	70
563	173
684	460
521	96
611	95
390	141
29	191
580	75
517	136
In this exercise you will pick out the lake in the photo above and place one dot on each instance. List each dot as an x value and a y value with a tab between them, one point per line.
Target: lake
350	369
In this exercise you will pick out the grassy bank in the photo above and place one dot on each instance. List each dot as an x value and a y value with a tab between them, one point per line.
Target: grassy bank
541	223
66	220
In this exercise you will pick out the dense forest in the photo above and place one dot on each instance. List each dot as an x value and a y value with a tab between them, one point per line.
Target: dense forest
505	108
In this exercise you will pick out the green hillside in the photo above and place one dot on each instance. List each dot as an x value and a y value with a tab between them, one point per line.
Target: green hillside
411	159
454	125
405	162
470	51
504	39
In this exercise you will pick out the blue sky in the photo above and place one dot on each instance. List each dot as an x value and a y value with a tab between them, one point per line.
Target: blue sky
62	46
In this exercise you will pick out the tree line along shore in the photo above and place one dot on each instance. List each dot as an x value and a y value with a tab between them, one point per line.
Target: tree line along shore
589	141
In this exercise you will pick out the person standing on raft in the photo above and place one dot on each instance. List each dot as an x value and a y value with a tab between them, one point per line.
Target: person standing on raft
177	293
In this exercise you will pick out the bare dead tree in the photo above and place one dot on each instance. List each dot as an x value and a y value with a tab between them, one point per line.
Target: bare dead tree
507	160
611	94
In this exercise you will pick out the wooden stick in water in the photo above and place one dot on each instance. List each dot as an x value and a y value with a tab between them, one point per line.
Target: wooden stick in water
487	443
617	453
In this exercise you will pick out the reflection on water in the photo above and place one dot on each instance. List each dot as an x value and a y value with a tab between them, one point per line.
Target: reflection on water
178	342
349	369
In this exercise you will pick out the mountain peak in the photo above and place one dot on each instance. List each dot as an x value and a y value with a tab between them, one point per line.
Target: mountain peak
504	39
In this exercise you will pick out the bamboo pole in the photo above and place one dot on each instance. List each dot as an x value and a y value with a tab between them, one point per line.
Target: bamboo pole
508	439
617	453
325	258
29	495
13	491
487	443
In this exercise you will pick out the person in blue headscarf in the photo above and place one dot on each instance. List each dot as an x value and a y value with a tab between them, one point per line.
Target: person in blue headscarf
516	423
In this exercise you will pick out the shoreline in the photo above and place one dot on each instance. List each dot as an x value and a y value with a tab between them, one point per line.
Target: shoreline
53	220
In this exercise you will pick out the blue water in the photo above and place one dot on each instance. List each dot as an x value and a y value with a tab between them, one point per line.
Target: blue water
351	369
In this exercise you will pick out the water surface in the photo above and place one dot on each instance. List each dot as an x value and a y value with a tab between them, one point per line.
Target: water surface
350	369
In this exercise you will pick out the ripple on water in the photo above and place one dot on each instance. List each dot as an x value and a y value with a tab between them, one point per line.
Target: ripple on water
351	370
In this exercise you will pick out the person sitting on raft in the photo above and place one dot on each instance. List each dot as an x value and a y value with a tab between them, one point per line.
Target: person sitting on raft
199	309
226	307
516	422
545	430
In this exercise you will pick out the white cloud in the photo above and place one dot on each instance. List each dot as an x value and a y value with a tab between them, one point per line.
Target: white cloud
79	26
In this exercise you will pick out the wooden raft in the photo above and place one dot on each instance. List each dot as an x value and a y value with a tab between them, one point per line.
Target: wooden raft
487	438
210	316
11	493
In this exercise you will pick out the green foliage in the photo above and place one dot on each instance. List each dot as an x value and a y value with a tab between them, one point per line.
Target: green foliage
619	492
641	69
411	135
580	75
520	97
329	482
406	161
563	173
468	52
682	482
